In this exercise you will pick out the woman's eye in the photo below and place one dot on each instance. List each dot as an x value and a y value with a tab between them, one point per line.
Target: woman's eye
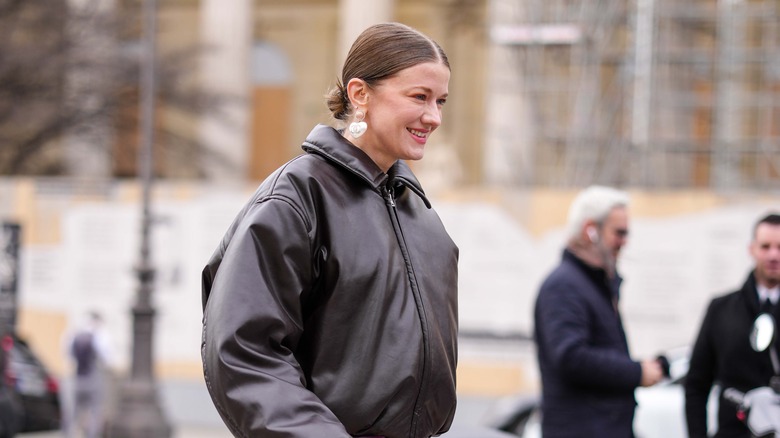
441	102
420	97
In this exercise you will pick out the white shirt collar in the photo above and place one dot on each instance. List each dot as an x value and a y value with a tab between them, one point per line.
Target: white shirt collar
763	292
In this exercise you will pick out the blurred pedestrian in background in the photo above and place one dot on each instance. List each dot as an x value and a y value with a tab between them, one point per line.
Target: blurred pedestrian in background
722	353
89	348
330	307
588	376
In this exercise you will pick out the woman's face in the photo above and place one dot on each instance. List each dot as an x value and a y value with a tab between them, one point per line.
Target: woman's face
402	111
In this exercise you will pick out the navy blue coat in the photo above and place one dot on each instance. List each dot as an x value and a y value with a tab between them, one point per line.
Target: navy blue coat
588	377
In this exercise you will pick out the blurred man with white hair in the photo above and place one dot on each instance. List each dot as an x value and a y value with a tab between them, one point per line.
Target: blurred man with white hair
588	376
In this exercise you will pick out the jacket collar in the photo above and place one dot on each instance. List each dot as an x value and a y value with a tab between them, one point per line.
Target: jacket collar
328	143
750	295
599	277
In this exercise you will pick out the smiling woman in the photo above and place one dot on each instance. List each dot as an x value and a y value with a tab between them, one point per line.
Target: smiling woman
403	110
397	98
330	306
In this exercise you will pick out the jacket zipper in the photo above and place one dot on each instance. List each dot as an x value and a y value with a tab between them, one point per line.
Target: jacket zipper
389	196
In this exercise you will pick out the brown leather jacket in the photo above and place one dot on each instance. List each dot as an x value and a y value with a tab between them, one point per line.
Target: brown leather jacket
330	306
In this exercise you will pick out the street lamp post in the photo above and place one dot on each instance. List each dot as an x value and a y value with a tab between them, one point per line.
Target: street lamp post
138	412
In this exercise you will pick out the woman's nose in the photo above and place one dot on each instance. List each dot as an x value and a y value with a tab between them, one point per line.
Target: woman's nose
432	116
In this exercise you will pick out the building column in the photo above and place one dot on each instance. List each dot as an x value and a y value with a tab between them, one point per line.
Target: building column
355	16
509	155
226	34
730	99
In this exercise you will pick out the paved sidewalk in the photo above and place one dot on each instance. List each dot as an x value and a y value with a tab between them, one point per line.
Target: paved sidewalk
188	407
470	410
179	432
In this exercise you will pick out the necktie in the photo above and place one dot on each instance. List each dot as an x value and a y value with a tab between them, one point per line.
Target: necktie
766	306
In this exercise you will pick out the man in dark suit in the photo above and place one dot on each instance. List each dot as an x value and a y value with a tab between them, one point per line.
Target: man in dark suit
722	353
588	376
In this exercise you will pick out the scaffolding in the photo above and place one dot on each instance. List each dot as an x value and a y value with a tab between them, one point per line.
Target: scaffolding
647	93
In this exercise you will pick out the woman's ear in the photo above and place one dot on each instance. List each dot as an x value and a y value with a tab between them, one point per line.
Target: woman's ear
357	91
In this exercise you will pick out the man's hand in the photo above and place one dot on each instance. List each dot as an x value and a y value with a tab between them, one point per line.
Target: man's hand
652	372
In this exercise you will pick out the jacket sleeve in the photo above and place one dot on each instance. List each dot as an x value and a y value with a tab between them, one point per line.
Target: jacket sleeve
698	382
252	324
563	319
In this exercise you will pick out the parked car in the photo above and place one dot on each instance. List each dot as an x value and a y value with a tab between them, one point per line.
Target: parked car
34	391
660	411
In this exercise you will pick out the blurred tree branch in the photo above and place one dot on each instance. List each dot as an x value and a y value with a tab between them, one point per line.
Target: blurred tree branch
65	70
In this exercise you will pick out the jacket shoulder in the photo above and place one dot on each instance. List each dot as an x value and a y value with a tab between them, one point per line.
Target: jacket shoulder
726	299
725	303
564	273
292	173
563	285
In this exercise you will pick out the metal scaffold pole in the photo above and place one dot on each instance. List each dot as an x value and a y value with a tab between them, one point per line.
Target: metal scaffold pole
729	97
643	68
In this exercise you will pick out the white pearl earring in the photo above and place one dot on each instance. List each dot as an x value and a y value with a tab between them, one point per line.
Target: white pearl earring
358	127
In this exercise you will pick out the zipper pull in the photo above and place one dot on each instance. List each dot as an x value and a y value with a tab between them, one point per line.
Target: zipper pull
389	197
